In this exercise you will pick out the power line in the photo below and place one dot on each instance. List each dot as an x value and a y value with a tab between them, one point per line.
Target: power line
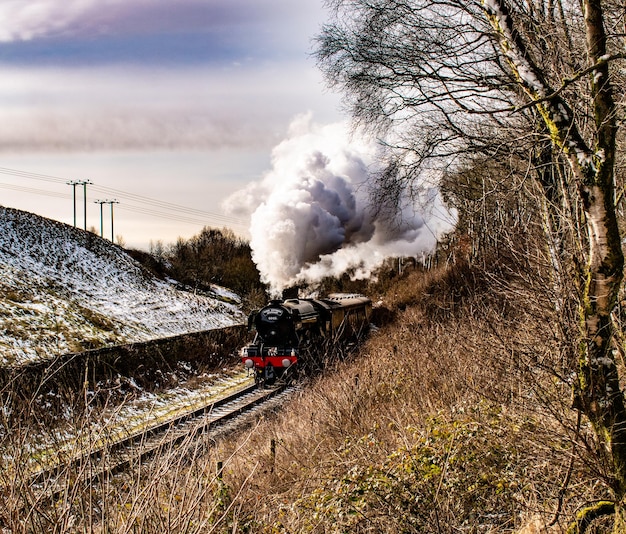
126	207
147	205
34	191
33	175
157	213
167	205
122	194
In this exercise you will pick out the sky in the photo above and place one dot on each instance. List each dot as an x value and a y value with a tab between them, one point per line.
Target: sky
147	120
167	108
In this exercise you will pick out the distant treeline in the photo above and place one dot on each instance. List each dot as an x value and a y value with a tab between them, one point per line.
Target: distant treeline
214	256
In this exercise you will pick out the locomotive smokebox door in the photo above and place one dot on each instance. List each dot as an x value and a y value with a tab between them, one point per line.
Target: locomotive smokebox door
271	315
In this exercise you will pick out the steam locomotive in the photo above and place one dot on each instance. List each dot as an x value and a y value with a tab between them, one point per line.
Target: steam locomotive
289	333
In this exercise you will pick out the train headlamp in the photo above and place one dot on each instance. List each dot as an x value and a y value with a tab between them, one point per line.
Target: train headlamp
249	363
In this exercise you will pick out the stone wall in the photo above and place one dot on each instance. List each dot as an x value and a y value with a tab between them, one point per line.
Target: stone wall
118	372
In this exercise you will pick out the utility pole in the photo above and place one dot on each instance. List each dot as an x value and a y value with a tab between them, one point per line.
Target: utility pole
84	183
85	202
112	202
74	184
101	202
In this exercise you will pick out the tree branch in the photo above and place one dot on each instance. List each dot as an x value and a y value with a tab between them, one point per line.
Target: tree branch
570	81
590	513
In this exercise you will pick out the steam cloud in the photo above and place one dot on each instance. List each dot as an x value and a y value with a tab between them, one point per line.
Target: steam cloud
310	216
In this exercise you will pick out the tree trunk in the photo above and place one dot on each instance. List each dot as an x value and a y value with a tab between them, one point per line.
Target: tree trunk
597	391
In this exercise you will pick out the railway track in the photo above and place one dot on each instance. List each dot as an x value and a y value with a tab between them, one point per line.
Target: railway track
136	447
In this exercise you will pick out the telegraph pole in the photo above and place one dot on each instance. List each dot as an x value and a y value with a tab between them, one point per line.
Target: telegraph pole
112	202
74	184
85	202
102	202
84	183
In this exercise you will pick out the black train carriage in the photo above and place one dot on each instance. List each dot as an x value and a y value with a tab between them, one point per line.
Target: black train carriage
288	331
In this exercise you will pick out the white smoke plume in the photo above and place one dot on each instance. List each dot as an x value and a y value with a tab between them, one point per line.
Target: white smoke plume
310	215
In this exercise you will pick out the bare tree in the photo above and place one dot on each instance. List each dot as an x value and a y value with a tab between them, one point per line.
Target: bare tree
448	82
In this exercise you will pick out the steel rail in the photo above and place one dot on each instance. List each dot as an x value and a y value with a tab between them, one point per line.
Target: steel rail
120	455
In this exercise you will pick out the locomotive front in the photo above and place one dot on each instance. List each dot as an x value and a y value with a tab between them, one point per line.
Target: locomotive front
274	351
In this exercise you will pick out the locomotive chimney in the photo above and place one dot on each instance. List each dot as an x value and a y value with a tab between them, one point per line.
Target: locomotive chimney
291	292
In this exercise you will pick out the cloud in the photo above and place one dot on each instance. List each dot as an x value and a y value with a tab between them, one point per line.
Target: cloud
311	216
24	21
243	19
134	74
119	107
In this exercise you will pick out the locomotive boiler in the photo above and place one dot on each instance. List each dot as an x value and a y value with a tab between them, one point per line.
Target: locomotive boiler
290	332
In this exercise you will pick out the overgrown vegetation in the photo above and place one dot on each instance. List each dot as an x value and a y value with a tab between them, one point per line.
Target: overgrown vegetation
446	421
465	87
453	417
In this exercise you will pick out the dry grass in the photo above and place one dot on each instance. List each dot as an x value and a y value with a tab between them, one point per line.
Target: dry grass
454	418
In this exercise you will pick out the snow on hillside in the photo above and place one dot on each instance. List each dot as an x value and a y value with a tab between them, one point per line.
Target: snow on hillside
64	290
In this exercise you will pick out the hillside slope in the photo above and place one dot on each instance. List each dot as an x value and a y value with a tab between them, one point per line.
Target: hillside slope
63	290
